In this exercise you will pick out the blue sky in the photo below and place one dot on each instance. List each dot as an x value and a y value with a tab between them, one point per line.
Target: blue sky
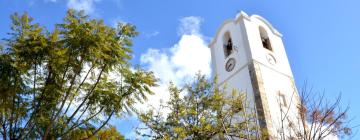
321	37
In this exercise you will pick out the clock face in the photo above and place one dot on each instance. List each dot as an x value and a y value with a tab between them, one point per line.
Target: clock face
271	59
230	64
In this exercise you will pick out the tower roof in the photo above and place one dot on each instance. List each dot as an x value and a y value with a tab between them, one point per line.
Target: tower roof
243	15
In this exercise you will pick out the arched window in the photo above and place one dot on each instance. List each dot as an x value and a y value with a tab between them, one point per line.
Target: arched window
265	38
228	45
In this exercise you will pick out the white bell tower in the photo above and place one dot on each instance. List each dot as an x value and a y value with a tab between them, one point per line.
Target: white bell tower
248	54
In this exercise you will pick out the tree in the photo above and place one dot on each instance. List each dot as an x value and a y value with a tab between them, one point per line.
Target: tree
109	133
318	118
201	110
76	76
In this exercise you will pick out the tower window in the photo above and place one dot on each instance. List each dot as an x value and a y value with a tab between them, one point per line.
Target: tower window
265	39
228	44
282	100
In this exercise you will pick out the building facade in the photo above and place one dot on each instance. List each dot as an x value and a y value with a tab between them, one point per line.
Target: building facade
248	55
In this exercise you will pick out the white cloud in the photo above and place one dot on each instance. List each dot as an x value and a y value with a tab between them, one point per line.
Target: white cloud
179	63
152	34
87	5
189	56
190	25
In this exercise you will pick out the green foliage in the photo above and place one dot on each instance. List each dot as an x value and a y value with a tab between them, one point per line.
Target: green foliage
109	133
75	77
201	110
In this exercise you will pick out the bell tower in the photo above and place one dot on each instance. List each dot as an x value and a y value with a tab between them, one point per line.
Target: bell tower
248	54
